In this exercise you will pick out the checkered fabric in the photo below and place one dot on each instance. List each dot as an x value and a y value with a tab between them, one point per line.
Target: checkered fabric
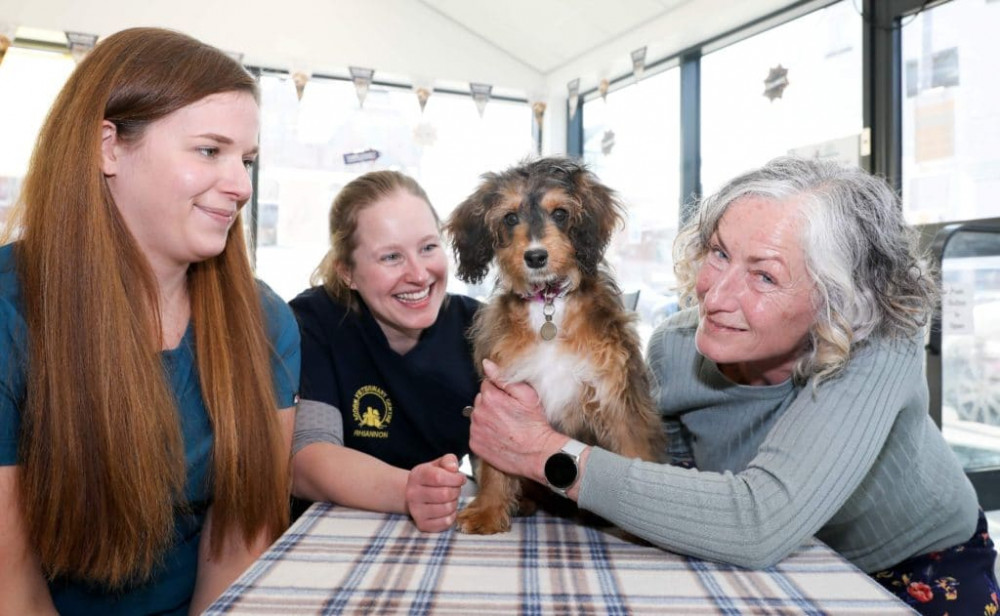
336	560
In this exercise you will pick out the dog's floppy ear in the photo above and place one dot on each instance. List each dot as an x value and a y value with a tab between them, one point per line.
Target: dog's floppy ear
471	238
601	213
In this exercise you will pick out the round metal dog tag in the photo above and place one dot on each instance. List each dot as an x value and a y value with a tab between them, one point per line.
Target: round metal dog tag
548	331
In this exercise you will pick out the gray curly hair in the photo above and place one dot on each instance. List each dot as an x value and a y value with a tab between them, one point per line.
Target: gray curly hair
870	280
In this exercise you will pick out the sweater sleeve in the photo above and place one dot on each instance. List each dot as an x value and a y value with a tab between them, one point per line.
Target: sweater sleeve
815	456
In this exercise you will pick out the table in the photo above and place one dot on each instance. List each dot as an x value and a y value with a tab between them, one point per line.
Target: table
336	560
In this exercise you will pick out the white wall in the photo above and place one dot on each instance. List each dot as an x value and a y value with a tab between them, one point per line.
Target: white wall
400	39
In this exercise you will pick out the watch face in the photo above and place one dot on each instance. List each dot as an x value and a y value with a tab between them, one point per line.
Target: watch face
560	470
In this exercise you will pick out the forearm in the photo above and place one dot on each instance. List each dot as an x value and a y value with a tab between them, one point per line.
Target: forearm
333	473
217	572
813	459
22	586
737	519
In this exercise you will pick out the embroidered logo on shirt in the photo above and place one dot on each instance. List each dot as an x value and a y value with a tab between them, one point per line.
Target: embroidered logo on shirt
372	412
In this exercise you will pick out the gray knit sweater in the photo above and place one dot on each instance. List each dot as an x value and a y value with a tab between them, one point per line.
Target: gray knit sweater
856	461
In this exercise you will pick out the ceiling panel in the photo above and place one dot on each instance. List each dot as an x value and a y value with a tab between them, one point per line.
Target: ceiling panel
546	34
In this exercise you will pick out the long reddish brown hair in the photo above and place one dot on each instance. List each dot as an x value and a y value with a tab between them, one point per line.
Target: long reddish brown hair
101	453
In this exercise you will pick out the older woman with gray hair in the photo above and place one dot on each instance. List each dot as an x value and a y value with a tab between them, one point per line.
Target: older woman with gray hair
793	393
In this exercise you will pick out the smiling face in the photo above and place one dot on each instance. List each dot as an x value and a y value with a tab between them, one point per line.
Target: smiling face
399	268
180	186
755	295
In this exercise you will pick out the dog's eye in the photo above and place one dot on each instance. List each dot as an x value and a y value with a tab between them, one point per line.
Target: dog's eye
510	219
560	215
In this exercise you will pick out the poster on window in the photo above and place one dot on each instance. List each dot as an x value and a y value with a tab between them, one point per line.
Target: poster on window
957	299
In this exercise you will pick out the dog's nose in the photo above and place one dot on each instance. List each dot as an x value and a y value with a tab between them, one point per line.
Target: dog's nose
536	258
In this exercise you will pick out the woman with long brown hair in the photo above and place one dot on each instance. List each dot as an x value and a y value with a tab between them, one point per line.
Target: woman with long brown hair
140	362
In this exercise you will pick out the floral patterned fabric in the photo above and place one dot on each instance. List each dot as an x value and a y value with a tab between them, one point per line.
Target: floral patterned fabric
959	581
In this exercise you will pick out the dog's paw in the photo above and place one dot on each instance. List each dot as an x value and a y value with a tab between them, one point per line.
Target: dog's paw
526	506
480	521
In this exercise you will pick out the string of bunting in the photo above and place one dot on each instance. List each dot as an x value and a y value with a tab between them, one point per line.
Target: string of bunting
639	63
300	78
362	78
481	95
423	94
573	89
80	43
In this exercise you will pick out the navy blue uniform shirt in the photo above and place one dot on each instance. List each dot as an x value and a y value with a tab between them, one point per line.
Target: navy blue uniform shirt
402	409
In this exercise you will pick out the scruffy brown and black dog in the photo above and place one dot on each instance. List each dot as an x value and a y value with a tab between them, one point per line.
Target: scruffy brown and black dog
555	318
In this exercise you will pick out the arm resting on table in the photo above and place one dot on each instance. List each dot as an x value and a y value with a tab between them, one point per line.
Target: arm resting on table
334	473
216	574
813	459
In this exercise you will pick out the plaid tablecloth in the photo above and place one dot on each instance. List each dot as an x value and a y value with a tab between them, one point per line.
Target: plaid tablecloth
336	560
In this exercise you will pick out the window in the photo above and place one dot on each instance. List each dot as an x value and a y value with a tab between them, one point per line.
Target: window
308	149
951	124
951	172
817	114
30	80
632	143
970	346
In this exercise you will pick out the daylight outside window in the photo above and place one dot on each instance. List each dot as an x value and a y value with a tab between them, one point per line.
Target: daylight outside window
30	79
632	143
951	172
793	89
951	119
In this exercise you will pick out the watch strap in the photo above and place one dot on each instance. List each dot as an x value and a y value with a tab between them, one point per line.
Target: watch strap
574	448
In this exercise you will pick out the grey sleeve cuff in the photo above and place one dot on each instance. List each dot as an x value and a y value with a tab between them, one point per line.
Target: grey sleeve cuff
602	483
317	422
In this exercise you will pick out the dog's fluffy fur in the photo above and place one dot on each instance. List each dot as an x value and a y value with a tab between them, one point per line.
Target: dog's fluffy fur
546	224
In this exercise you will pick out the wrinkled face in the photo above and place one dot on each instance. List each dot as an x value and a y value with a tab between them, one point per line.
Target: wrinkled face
181	185
400	267
754	293
534	248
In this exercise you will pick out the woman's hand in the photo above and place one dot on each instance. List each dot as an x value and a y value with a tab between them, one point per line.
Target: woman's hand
432	491
509	428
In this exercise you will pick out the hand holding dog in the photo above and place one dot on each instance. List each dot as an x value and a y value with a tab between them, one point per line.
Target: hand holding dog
432	491
509	429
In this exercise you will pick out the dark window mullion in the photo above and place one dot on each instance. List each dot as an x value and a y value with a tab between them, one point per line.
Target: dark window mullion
690	119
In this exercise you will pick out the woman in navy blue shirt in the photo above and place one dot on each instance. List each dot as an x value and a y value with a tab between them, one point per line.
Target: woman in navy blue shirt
387	367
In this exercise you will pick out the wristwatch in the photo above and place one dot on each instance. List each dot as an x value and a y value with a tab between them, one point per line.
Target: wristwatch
562	468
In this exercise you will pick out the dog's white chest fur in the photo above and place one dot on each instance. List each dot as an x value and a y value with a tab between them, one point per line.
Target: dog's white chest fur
556	373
